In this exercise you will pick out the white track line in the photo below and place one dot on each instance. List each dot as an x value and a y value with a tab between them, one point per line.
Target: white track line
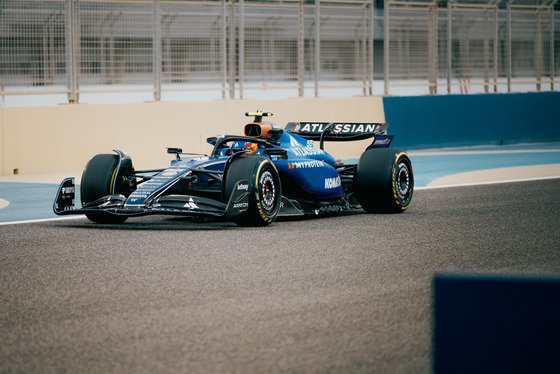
41	220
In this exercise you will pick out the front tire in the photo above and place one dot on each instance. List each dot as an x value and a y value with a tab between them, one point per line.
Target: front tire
97	181
384	180
264	189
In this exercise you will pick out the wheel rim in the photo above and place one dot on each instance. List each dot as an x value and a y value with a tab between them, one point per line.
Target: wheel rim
267	192
403	182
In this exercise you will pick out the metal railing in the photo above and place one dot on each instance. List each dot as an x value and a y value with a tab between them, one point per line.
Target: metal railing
472	45
75	47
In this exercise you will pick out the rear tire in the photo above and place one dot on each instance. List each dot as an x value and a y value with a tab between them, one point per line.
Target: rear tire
384	180
97	181
264	189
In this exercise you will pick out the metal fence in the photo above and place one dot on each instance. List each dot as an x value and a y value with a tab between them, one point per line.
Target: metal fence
472	45
76	47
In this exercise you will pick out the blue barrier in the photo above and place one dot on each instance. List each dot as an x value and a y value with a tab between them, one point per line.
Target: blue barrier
465	120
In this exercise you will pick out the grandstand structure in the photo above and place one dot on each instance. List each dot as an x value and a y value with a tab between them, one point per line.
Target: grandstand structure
233	46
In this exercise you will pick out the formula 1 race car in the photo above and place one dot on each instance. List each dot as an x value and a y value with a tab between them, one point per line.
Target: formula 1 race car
250	179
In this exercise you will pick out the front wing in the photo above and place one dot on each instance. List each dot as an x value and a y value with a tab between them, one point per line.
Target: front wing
186	205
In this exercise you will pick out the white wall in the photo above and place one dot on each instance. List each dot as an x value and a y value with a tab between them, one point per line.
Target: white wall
64	137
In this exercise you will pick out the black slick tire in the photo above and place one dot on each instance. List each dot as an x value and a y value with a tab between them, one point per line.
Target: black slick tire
264	189
384	180
97	181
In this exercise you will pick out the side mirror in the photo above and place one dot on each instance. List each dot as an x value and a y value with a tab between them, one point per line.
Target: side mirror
176	152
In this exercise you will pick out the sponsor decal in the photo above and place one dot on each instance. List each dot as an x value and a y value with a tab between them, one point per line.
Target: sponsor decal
191	204
307	151
300	142
139	196
312	127
240	205
157	183
170	172
242	187
339	128
331	183
382	141
305	164
68	190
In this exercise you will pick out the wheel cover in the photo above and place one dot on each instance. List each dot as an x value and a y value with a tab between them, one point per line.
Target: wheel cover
402	183
267	192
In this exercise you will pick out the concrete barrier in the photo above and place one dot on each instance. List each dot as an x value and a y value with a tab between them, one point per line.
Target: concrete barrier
63	138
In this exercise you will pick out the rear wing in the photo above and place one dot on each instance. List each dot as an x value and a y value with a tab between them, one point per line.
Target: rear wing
333	131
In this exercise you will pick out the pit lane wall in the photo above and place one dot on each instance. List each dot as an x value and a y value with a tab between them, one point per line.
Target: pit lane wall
63	138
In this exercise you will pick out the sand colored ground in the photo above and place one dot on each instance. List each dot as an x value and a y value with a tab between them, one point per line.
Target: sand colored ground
496	175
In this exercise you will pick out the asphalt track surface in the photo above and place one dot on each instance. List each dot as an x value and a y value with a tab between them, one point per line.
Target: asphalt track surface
339	294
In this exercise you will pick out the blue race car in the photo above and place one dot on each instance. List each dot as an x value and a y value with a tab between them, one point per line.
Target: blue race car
250	179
